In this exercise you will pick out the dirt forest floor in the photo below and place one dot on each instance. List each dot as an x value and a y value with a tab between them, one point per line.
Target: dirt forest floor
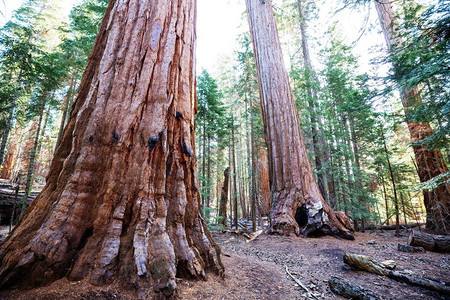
257	270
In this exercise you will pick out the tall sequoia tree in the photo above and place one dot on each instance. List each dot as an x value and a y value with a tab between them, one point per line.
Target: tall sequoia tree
122	199
430	163
298	206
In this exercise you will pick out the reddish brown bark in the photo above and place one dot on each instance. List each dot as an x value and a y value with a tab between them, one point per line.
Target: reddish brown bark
263	184
122	197
430	163
297	204
12	154
311	79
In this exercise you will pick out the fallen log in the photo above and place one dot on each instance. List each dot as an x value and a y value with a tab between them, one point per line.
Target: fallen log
442	243
438	243
422	282
393	227
349	290
365	263
409	249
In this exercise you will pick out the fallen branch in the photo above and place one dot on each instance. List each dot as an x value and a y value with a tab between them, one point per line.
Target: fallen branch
362	262
350	290
254	235
300	284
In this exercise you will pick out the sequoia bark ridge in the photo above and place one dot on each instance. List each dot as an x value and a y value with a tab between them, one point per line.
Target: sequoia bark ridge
298	206
122	198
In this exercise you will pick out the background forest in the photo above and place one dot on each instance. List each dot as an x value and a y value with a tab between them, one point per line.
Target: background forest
359	127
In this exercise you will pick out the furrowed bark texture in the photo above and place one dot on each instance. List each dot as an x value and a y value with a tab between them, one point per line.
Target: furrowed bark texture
122	199
429	163
298	206
263	202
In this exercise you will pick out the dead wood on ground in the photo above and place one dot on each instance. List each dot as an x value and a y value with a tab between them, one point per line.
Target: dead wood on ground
349	290
365	263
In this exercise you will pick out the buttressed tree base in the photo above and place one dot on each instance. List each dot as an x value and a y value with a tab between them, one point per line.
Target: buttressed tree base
121	200
297	204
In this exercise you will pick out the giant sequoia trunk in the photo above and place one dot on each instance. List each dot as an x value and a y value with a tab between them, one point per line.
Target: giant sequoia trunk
122	199
298	206
311	79
430	163
263	195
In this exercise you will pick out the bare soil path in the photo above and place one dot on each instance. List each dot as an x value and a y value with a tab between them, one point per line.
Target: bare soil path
256	270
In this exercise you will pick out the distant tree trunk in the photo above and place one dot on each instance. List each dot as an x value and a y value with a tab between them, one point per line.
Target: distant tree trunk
203	173
65	109
42	135
249	144
386	203
15	146
298	205
224	198
341	193
122	199
231	181
253	167
34	152
208	181
355	145
403	208
331	180
311	78
397	218
233	164
242	196
9	122
430	163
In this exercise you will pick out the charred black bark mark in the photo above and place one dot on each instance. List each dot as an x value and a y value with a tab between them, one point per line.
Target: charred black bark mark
315	226
179	68
301	216
86	235
115	137
179	115
186	149
91	138
309	225
127	218
152	143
